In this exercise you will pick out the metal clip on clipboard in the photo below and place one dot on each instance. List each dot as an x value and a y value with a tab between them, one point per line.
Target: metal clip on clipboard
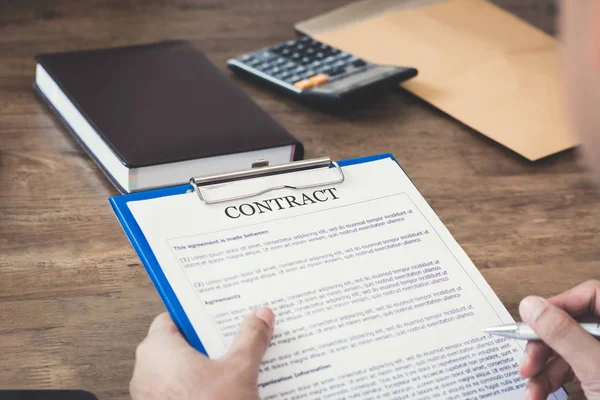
261	169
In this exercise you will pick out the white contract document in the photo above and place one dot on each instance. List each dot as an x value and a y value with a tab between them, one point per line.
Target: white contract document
373	297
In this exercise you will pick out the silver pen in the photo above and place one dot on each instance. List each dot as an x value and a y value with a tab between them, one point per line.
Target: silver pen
522	331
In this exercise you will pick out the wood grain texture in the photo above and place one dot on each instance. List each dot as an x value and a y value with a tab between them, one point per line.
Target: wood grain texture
74	298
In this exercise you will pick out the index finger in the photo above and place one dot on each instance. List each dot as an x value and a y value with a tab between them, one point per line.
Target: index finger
164	330
163	324
582	299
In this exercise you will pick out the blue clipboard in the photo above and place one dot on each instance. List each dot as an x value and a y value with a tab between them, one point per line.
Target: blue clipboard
146	255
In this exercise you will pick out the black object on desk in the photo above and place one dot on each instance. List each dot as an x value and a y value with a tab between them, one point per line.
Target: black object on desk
153	115
46	395
318	74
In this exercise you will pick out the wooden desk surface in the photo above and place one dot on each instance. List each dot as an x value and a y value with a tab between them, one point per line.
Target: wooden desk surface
74	298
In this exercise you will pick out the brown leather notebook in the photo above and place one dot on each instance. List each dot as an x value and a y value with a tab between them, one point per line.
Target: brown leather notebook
155	115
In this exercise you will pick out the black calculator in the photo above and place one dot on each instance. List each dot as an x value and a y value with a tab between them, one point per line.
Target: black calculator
317	73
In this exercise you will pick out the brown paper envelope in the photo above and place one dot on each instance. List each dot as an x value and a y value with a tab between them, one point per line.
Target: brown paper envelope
478	63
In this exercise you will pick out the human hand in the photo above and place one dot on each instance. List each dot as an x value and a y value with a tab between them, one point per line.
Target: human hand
168	368
567	352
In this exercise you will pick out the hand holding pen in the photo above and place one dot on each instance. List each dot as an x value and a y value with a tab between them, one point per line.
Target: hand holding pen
560	349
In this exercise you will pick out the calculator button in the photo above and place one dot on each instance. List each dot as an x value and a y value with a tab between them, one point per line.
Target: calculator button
337	71
285	52
359	63
253	62
290	43
289	65
344	56
276	70
319	79
335	51
305	39
280	61
305	60
299	70
294	78
339	64
304	84
278	48
267	55
246	57
316	64
296	56
320	55
329	60
264	66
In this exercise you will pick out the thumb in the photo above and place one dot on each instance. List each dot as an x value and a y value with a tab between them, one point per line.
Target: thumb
563	334
253	338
